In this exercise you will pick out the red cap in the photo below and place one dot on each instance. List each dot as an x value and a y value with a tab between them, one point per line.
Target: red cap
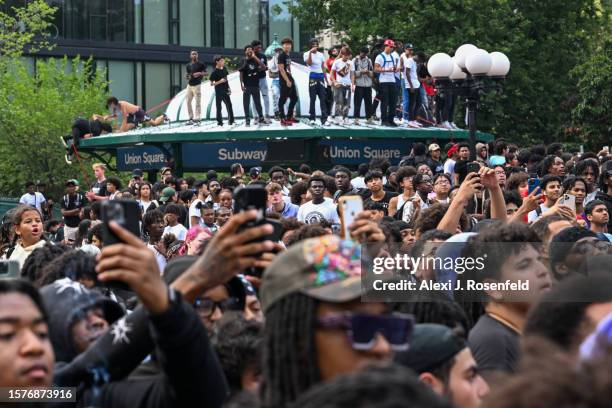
389	43
452	150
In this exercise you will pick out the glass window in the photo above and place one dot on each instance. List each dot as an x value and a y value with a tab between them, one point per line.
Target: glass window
192	23
156	21
247	22
121	76
229	23
138	21
157	83
217	23
280	23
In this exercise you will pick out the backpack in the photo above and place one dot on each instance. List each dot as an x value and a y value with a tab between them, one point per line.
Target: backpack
424	116
399	214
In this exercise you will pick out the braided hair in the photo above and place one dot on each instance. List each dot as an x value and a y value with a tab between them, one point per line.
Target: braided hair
290	364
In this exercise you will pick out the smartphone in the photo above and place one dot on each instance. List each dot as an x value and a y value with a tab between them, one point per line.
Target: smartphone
9	269
255	197
569	201
533	182
350	206
473	167
127	214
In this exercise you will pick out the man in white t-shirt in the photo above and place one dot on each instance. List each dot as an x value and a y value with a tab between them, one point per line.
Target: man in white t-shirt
316	80
195	214
33	198
411	91
341	82
319	209
550	186
171	216
452	154
386	65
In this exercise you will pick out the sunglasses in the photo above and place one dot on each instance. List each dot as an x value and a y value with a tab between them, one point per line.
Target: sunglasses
362	328
207	307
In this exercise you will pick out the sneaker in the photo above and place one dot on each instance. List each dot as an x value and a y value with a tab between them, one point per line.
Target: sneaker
325	123
446	125
312	122
330	119
263	122
267	120
376	118
247	123
64	140
190	122
391	124
256	120
370	121
356	122
220	124
453	125
292	120
285	122
232	123
277	116
68	157
337	121
346	121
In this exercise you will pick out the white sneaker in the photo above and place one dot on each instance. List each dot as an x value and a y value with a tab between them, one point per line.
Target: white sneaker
326	123
356	122
446	125
337	121
454	126
330	119
347	121
312	122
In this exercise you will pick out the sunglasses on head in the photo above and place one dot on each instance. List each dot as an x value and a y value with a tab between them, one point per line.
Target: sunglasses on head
362	328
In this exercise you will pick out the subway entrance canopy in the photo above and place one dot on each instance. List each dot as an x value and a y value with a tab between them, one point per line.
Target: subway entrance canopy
208	146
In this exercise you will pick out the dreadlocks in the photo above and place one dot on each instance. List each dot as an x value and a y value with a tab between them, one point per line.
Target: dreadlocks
290	365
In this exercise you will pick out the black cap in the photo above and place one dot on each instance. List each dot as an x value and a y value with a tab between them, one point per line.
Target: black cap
255	171
408	46
431	345
137	173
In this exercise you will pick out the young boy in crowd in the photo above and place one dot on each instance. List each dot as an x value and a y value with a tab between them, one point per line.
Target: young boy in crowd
218	79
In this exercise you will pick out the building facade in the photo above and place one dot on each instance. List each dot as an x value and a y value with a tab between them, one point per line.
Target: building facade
144	44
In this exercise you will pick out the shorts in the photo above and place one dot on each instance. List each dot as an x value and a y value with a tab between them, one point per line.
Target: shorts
138	117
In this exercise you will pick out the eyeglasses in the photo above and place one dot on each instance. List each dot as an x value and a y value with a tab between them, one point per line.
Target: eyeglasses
207	307
362	328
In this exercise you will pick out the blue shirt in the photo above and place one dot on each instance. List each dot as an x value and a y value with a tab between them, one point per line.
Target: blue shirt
290	210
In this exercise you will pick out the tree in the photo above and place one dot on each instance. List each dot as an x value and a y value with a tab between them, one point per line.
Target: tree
544	41
591	115
35	110
24	27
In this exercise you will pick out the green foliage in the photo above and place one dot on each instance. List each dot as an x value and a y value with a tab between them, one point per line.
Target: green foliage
592	114
25	26
544	40
35	110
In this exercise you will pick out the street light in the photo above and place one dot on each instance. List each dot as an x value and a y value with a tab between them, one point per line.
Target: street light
471	73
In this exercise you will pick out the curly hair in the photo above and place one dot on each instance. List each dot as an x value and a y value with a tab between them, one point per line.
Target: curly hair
305	232
429	218
72	264
239	346
39	258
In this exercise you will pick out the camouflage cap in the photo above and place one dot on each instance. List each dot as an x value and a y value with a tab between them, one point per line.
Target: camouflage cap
325	268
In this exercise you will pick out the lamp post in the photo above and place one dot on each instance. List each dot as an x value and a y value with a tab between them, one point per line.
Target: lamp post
471	73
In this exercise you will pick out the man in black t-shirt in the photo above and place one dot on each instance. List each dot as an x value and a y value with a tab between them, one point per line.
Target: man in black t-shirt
287	84
461	164
263	81
249	80
377	194
71	205
218	79
195	73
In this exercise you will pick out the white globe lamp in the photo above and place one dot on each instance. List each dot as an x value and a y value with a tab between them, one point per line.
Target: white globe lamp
440	65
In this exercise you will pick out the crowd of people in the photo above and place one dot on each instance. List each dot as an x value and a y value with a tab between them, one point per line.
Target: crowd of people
203	308
389	76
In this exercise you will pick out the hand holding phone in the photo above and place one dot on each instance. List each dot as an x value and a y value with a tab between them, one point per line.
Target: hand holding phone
350	207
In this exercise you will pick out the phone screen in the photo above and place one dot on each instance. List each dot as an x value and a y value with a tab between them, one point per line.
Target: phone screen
351	206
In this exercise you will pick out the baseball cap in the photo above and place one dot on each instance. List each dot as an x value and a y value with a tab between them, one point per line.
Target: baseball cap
72	182
431	345
167	193
433	147
165	169
324	268
255	171
137	173
452	150
408	46
389	43
480	146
